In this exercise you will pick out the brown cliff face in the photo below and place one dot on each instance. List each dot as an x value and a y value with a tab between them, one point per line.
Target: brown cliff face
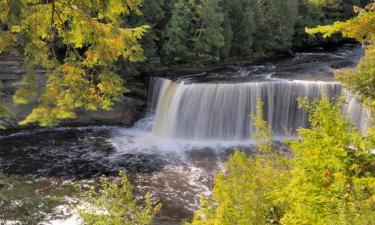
12	70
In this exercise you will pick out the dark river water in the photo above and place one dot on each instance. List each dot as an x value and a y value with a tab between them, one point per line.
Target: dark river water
174	170
174	173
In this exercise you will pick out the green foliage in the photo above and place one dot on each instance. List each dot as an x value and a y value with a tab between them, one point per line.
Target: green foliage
77	42
242	24
241	193
276	26
178	31
194	31
27	200
209	38
332	180
114	204
360	80
329	177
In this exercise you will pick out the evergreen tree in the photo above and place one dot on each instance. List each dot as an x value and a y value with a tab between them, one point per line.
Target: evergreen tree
195	31
228	36
209	38
277	20
178	32
242	23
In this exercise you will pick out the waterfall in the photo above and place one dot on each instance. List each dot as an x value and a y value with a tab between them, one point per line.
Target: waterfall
220	111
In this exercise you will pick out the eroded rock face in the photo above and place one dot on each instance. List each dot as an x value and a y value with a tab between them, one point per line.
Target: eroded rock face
125	112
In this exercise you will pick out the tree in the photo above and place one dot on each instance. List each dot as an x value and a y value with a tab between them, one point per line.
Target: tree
178	32
77	43
209	38
242	24
361	80
332	180
241	193
327	178
194	31
276	22
114	204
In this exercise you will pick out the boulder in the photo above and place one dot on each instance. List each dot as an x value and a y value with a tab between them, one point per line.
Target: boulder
125	112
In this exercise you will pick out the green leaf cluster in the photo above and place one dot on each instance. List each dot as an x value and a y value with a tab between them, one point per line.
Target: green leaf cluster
194	31
359	80
242	192
332	179
113	203
77	43
327	177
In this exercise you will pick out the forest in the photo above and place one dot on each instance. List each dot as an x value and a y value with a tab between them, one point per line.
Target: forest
192	112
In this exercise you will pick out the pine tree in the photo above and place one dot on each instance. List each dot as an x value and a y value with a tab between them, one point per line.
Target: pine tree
178	32
195	31
228	36
242	22
276	21
209	38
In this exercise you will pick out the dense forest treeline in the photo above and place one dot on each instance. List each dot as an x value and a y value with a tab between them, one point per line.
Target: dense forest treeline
206	31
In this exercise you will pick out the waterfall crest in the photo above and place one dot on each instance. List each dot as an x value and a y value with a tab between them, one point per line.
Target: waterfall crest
220	111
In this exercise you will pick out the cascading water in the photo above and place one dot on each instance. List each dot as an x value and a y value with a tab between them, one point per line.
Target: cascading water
220	111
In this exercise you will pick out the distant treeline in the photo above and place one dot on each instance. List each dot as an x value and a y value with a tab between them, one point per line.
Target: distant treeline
205	31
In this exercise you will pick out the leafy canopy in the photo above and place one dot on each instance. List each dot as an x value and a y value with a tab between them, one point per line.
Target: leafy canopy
76	42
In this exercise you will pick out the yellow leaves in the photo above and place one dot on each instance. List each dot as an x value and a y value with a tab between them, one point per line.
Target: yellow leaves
16	29
6	40
46	116
101	87
27	90
94	39
361	27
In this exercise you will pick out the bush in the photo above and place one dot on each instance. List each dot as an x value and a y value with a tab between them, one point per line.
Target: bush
113	203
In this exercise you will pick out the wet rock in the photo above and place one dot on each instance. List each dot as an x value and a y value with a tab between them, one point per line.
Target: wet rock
343	64
125	112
